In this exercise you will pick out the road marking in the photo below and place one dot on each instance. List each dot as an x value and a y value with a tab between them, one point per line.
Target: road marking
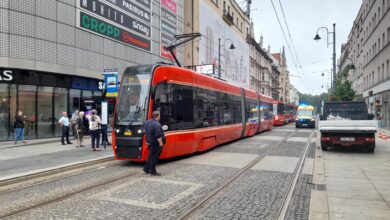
297	139
277	163
224	159
143	202
284	130
308	166
268	138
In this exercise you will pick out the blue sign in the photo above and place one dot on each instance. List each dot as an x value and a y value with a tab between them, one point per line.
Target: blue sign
111	83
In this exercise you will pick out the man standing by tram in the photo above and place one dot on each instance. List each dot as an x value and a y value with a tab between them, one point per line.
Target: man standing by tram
155	139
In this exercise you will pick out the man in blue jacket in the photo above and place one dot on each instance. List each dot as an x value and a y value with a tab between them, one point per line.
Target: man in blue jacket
155	139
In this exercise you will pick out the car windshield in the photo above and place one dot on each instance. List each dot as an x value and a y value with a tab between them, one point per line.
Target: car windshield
305	113
132	100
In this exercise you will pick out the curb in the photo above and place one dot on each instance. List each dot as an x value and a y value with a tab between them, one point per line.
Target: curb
318	208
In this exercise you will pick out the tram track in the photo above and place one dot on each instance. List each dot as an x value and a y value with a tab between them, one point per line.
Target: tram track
54	177
287	200
282	213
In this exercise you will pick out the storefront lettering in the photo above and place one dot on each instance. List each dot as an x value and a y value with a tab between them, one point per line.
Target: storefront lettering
94	24
116	16
170	4
6	75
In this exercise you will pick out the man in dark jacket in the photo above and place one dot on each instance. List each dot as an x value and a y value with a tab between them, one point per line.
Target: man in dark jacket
155	139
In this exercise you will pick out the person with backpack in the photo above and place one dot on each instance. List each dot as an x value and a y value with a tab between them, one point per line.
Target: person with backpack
94	129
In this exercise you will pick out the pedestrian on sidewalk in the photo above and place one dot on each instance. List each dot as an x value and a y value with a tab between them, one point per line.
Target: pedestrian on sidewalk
73	120
64	122
155	139
94	129
19	127
80	129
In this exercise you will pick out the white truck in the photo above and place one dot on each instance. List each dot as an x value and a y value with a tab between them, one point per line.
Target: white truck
347	124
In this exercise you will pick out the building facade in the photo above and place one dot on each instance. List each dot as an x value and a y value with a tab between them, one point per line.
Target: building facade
368	49
284	80
53	53
261	73
222	23
294	96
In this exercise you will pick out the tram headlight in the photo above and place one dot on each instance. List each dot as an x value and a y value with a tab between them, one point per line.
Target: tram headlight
118	131
139	131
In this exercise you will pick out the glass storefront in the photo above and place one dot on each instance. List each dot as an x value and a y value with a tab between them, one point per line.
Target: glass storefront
45	113
42	97
27	104
4	111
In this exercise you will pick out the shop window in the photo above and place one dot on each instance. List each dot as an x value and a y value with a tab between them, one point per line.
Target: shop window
4	112
27	104
45	115
61	105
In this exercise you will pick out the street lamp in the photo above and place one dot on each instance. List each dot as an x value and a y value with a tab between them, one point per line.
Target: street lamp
232	47
317	37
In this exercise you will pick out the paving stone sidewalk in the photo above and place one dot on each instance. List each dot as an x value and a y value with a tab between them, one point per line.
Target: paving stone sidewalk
22	160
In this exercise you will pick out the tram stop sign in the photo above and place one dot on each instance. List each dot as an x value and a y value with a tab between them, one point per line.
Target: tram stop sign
111	82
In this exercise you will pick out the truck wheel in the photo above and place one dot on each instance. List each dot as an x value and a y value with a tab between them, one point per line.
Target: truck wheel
371	148
324	147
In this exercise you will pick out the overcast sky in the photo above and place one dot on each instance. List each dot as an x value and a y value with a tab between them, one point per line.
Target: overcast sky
303	18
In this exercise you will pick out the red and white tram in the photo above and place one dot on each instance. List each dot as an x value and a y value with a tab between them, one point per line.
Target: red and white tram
198	111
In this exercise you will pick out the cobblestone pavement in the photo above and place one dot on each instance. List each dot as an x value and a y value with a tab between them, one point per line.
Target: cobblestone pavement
256	194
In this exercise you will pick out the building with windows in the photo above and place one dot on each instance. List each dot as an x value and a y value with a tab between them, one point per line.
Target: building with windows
368	49
53	53
284	80
262	75
222	23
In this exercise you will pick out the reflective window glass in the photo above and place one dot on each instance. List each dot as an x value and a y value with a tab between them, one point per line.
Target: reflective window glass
45	114
4	112
27	104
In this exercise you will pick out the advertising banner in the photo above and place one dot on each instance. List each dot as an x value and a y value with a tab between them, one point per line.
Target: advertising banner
167	26
234	63
98	26
126	21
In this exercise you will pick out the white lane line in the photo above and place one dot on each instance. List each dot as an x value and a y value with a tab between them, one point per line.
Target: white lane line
308	166
224	159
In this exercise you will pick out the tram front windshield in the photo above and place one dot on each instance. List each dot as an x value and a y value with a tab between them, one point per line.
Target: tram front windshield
133	99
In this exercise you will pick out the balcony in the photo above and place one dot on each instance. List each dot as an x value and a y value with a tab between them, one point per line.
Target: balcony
228	18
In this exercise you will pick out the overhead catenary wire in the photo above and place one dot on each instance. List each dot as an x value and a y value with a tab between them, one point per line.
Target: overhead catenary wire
288	46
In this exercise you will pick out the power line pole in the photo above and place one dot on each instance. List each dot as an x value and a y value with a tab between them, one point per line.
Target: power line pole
334	59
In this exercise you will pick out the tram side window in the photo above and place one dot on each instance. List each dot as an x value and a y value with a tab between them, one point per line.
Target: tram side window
251	110
266	111
206	108
280	109
237	109
184	102
225	109
164	103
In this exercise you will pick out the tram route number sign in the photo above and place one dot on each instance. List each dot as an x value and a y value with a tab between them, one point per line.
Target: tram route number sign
98	26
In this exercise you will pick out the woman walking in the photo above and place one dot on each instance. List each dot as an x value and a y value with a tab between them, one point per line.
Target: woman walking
80	129
19	127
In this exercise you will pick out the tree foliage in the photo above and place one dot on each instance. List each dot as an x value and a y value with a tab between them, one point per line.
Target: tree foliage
314	100
344	91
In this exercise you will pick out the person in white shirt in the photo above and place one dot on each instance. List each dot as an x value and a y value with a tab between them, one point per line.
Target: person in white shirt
94	129
64	122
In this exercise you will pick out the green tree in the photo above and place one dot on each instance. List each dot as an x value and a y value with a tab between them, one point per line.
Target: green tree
344	91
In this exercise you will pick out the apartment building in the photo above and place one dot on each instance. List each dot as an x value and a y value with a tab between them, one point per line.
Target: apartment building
261	72
284	80
368	50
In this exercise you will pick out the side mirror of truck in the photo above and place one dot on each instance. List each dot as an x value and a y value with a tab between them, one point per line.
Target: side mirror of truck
371	116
